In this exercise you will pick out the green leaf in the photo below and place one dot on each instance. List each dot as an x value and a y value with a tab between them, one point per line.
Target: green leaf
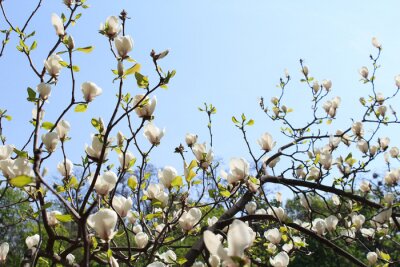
225	193
135	68
250	122
81	108
8	117
86	50
47	125
21	181
243	117
235	120
31	94
63	63
132	183
177	181
64	218
142	81
76	68
21	154
181	261
33	46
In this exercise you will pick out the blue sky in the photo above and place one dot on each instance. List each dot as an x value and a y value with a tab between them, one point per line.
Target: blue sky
228	53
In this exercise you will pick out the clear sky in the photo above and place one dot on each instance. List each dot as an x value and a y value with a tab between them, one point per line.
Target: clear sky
228	53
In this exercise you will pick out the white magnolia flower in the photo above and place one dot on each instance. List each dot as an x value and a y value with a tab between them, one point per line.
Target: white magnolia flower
304	201
319	226
32	241
94	151
203	156
383	216
44	90
280	260
156	264
4	248
357	220
376	43
331	223
13	168
277	212
260	212
397	80
124	45
111	28
153	191
211	221
389	198
327	84
335	200
90	90
367	232
190	218
364	72
52	65
273	236
105	182
103	222
357	129
168	257
6	151
153	133
137	229
349	234
365	186
63	128
266	142
363	146
239	170
65	168
122	205
214	261
392	177
315	86
167	175
394	152
145	106
51	217
141	239
190	139
384	143
126	162
240	237
58	24
251	207
69	2
132	216
372	257
70	258
50	140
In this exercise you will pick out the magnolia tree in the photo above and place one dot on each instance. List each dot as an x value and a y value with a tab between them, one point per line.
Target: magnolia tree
198	215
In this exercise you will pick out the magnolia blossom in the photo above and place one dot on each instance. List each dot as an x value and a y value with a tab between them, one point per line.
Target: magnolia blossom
137	229
240	237
273	236
190	139
132	216
331	223
349	234
127	160
392	177
44	90
103	222
90	90
300	173
368	232
4	248
144	105
314	173
304	201
315	86
62	129
376	43
203	157
70	258
211	221
156	264
51	217
122	205
69	3
94	151
32	241
319	226
397	80
280	260
363	146
394	152
266	142
271	163
52	65
13	168
190	218
372	257
50	140
335	200
167	175
6	151
168	257
383	216
141	239
111	28
153	191
251	207
277	212
364	72
331	106
327	84
389	198
65	168
124	45
153	133
384	143
365	186
120	138
326	160
105	182
357	129
58	24
239	170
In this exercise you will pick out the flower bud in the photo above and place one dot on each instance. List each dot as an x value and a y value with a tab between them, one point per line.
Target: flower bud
4	248
372	257
364	72
50	140
120	68
394	152
111	28
153	134
52	65
327	84
103	222
71	43
141	239
266	142
305	70
190	139
124	45
44	90
376	43
63	128
90	90
58	24
315	86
